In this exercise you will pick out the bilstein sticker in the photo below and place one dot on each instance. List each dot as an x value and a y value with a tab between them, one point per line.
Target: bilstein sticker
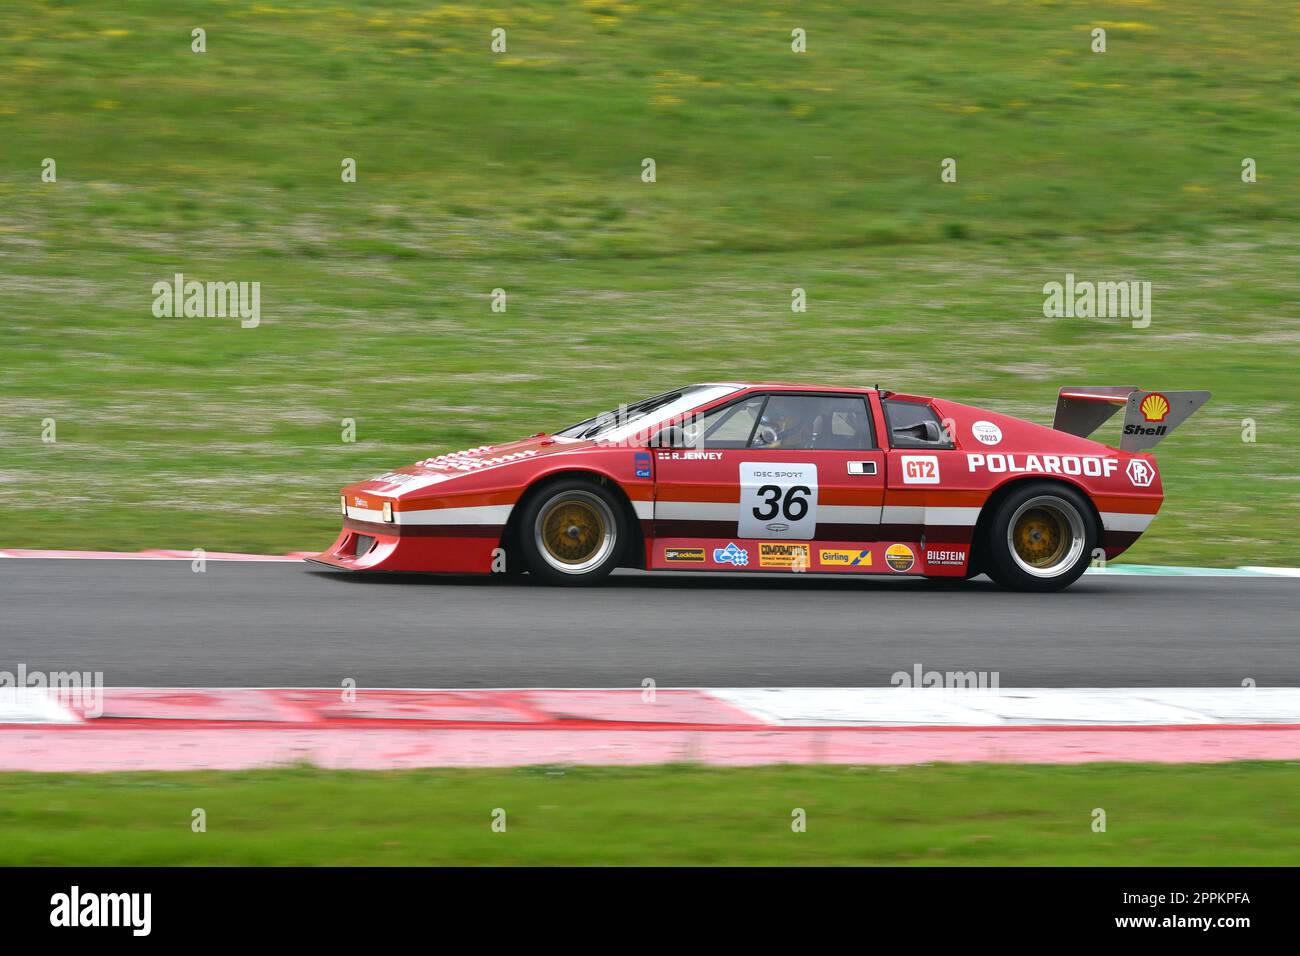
945	557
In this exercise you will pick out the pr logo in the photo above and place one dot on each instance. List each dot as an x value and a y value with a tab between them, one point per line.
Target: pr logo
1140	473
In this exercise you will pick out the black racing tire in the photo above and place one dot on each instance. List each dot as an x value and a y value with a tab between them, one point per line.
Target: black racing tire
1040	538
572	533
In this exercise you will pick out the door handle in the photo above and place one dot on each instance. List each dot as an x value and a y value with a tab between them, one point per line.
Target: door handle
862	468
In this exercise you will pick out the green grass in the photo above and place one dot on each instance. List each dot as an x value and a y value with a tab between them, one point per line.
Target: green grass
522	171
1225	814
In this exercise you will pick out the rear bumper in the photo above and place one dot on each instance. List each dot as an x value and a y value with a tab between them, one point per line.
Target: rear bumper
366	549
1124	519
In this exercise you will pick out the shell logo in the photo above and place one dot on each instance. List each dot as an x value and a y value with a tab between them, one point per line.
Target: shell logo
1154	407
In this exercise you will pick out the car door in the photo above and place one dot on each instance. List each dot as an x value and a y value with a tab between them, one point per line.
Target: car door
760	482
922	508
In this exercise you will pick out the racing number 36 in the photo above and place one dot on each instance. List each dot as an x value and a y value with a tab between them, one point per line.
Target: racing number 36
792	506
778	500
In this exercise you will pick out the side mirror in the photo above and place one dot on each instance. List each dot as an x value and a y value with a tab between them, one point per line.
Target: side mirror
670	437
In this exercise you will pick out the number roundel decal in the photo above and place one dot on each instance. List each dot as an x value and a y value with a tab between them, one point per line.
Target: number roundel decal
777	500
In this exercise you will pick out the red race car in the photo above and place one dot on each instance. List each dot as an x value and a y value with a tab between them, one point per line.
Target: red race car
780	478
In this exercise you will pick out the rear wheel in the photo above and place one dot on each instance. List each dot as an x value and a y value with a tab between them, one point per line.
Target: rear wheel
572	533
1040	539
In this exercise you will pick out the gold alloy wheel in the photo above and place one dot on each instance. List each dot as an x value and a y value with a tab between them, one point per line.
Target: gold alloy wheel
575	532
1046	536
1040	536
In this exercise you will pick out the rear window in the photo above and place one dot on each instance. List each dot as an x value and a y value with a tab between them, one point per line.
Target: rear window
914	425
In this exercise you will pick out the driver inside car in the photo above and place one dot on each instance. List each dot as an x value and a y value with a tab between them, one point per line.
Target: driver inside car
785	430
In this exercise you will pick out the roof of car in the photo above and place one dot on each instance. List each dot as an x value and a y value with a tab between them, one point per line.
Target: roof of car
805	386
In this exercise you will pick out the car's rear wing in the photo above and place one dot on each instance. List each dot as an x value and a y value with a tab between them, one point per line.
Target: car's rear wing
1148	416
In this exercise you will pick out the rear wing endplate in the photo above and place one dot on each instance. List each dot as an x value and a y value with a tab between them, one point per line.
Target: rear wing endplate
1148	416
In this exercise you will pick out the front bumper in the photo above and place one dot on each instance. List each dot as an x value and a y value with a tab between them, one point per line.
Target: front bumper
362	546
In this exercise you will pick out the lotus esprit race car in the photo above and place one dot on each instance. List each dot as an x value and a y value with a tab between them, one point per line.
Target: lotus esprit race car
780	478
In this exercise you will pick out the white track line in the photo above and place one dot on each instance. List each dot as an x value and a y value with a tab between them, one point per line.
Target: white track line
937	707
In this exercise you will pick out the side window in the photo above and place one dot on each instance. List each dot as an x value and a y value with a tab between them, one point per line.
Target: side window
726	427
825	422
914	425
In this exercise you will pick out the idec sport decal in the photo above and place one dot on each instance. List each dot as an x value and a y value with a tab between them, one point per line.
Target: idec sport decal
781	554
1090	465
695	555
777	500
845	557
920	469
900	557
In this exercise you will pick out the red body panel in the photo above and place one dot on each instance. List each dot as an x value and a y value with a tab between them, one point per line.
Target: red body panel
862	511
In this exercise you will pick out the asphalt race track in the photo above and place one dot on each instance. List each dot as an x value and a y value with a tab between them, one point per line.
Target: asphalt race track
158	623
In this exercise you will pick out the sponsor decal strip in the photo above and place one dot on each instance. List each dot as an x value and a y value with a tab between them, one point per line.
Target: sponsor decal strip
827	555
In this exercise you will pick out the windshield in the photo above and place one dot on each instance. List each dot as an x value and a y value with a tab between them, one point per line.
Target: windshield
627	420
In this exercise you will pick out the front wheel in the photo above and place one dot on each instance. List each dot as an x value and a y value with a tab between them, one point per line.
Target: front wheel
1040	539
573	533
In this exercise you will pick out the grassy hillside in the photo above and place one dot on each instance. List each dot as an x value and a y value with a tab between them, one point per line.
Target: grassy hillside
522	171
